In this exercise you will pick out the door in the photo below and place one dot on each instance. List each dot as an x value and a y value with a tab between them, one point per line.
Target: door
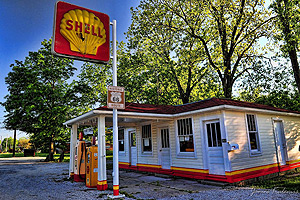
164	150
215	149
132	148
280	142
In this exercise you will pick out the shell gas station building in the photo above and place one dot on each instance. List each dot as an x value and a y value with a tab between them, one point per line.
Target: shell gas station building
214	139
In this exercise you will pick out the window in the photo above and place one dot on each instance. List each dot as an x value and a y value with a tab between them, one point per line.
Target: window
132	139
165	138
253	134
121	139
146	138
185	135
214	134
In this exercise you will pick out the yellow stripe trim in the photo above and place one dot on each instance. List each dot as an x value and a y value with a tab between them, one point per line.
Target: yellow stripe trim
190	170
115	187
250	169
104	182
292	161
145	165
100	182
124	163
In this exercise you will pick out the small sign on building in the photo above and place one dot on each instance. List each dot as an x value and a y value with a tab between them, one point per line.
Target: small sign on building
115	97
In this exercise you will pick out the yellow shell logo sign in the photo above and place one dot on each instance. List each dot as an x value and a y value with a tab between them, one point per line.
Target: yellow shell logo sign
83	30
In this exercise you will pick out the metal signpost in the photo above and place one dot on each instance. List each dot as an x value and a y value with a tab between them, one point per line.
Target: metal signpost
115	174
83	34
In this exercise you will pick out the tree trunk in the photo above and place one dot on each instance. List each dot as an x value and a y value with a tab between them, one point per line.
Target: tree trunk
62	156
228	92
295	66
185	98
227	87
51	150
292	45
14	147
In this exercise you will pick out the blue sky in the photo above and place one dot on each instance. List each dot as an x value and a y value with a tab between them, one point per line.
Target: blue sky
26	23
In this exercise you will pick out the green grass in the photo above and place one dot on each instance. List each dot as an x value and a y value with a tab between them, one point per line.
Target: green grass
288	182
9	155
56	156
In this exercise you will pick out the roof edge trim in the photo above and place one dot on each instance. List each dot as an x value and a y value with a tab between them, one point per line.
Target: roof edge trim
76	119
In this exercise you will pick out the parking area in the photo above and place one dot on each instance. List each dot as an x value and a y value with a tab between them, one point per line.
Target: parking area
30	178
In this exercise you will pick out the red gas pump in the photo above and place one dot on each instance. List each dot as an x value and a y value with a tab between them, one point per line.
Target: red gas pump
80	151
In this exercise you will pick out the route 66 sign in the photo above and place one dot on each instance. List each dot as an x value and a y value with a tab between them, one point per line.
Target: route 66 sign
115	97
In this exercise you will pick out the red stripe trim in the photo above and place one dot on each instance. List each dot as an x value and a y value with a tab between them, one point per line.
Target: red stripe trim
231	177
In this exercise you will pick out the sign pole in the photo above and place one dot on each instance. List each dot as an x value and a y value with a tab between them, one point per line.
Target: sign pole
115	173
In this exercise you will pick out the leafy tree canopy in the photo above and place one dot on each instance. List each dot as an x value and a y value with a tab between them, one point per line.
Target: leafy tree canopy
40	96
288	32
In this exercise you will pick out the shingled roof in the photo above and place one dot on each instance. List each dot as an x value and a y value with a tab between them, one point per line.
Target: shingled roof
208	103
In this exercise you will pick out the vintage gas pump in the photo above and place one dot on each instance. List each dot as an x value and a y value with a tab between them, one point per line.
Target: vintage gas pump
80	151
92	165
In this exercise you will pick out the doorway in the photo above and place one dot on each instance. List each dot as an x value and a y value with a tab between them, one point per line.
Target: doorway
164	149
214	146
132	148
280	142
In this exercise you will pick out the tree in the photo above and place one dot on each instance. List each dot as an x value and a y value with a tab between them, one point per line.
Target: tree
269	76
228	31
40	99
172	63
93	82
281	99
23	143
10	143
287	21
138	73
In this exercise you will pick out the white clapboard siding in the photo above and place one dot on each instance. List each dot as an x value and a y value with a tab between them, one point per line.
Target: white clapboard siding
125	156
191	162
237	133
147	158
235	126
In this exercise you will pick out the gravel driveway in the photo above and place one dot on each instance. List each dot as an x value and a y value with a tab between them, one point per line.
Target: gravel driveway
29	178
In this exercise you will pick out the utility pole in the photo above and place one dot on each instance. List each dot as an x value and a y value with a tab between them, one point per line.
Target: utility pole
1	144
6	143
14	147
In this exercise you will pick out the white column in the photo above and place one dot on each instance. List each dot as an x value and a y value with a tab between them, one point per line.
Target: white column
104	158
101	132
73	138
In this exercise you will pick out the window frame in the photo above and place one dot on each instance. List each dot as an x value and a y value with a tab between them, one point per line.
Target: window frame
258	151
185	154
150	142
121	140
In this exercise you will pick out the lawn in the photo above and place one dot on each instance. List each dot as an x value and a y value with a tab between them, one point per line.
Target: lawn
9	155
288	182
56	156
